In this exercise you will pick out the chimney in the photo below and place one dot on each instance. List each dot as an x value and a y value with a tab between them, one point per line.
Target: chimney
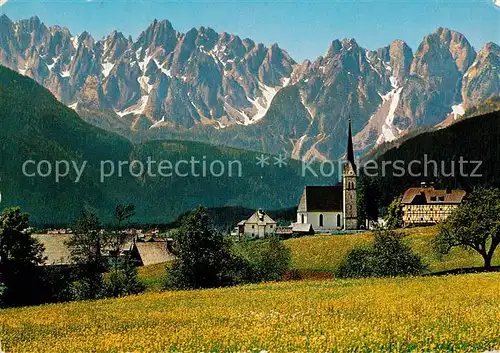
170	244
261	214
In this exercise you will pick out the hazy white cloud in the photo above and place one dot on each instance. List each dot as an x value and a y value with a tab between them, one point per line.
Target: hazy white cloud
496	2
3	2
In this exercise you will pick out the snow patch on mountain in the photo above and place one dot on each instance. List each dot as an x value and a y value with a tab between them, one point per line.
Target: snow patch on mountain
54	62
458	109
389	132
162	68
144	83
106	68
144	63
74	41
23	71
297	146
137	109
158	124
268	95
309	111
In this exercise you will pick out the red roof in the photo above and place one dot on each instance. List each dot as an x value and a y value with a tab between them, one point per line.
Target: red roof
429	195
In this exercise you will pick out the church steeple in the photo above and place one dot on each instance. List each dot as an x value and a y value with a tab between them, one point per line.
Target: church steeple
349	185
350	149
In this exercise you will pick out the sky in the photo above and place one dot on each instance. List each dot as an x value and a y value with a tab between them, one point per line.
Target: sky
304	28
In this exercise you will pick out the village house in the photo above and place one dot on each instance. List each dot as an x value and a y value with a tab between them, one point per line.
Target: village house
153	251
145	249
426	206
332	208
259	225
55	251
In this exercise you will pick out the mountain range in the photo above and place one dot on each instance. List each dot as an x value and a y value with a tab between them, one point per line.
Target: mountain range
221	89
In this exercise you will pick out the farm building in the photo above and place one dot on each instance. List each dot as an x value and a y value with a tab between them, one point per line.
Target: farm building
425	205
153	252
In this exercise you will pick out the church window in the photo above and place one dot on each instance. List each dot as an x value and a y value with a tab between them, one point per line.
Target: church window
302	218
321	220
338	220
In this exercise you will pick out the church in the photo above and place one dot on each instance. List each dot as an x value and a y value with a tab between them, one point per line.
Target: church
332	208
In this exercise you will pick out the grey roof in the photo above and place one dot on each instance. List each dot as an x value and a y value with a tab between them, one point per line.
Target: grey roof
56	251
151	253
260	218
302	227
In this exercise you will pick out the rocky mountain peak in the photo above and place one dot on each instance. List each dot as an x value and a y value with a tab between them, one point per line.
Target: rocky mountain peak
491	47
400	59
350	44
158	34
86	39
482	79
443	48
277	64
334	48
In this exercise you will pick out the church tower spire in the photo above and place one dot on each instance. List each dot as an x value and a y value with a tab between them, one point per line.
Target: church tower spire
350	148
349	185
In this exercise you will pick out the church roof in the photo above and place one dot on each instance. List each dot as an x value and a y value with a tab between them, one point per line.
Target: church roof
322	199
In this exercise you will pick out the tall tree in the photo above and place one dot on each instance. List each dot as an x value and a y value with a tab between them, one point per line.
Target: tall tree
394	215
203	254
86	246
474	225
20	255
123	279
118	237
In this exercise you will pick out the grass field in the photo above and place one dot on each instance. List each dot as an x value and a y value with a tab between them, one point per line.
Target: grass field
428	314
153	276
316	257
325	252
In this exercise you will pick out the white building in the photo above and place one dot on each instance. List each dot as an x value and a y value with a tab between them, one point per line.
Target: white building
332	208
322	207
259	225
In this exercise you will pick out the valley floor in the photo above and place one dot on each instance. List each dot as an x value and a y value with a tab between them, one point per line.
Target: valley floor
427	314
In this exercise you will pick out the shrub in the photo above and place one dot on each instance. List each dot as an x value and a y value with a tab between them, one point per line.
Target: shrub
261	261
357	263
388	256
274	260
392	257
123	280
